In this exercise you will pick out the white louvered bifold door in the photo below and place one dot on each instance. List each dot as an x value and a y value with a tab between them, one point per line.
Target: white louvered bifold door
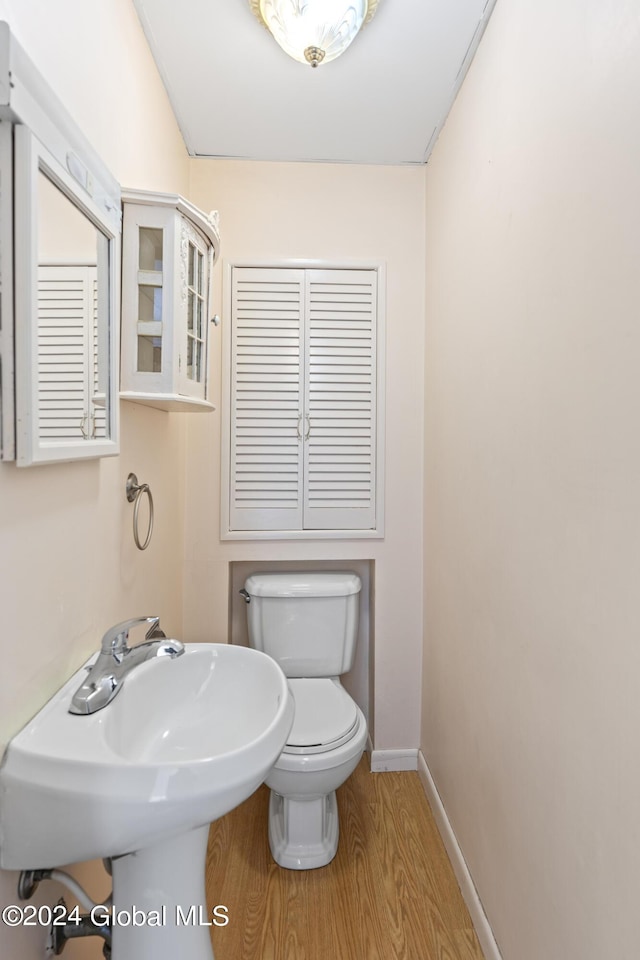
66	347
340	408
266	399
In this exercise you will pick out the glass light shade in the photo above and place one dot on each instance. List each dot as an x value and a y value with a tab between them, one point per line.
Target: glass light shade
314	31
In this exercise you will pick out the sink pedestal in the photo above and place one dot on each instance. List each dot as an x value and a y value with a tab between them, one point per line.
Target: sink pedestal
159	905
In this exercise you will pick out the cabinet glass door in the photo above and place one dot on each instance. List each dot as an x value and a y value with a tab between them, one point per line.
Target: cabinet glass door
195	315
150	299
193	372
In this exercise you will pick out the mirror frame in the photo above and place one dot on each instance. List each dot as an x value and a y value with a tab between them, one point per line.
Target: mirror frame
37	133
31	158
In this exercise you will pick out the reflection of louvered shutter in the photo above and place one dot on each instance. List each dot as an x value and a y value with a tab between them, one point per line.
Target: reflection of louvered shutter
339	461
66	350
99	408
303	399
267	393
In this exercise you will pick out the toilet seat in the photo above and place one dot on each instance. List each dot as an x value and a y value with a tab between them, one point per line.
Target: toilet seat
325	716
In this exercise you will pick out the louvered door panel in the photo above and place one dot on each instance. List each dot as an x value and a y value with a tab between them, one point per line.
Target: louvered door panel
340	407
66	305
267	397
98	395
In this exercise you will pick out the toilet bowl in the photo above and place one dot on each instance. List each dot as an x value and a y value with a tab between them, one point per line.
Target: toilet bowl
303	812
308	623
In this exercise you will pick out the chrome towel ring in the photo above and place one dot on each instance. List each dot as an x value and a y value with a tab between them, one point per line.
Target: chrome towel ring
134	491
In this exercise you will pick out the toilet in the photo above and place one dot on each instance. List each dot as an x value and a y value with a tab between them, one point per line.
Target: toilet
308	622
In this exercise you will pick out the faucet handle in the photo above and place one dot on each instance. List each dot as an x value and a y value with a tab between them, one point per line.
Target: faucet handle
115	639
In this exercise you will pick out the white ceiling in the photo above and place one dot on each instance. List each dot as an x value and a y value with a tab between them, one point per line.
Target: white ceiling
237	94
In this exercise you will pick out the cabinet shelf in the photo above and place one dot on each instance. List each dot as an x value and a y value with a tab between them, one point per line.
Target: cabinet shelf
173	403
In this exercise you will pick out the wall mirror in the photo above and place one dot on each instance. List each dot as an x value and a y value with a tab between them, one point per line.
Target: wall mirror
58	278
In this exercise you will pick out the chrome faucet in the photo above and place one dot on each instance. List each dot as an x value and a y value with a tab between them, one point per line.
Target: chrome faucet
116	659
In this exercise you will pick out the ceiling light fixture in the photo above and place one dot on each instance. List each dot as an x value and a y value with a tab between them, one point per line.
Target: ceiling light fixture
314	31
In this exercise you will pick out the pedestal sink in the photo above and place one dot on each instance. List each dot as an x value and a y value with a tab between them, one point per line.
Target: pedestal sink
183	743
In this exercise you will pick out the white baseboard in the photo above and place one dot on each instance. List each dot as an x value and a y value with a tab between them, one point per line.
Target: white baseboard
382	760
460	868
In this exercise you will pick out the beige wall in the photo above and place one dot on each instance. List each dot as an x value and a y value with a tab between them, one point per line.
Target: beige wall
327	212
532	565
69	564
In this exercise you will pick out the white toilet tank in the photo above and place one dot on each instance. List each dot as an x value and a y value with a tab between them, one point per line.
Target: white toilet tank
308	622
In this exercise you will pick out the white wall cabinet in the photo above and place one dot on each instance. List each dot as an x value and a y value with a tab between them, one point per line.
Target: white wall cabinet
304	403
168	251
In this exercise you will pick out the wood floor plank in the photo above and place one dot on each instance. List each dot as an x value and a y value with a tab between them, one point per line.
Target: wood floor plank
389	894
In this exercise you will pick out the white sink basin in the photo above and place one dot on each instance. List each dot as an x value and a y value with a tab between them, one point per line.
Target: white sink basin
184	742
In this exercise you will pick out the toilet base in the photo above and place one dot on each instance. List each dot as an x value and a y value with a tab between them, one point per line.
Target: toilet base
303	834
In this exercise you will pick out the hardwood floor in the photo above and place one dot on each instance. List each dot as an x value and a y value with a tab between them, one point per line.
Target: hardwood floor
389	894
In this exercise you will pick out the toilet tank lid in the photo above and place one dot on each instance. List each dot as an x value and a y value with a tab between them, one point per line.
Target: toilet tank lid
302	584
